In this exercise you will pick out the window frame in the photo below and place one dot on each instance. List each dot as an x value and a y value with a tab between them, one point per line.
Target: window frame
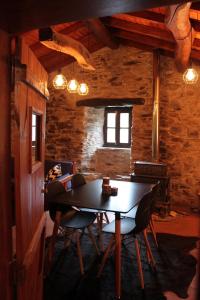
118	111
34	165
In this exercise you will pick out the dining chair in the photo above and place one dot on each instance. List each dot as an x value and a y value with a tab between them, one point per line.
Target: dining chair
132	227
78	180
68	220
151	227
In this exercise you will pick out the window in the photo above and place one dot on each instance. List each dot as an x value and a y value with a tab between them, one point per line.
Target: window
117	127
36	137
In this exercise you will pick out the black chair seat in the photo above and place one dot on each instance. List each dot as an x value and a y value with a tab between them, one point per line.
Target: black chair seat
131	213
79	220
127	225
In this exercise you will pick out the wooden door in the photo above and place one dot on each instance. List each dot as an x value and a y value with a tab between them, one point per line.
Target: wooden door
6	291
29	142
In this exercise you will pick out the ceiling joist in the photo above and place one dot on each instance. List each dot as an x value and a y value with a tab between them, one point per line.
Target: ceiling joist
144	29
140	29
101	33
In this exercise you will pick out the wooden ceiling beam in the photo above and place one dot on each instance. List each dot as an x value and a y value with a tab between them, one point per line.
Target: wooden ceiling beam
55	63
139	20
101	33
157	16
194	13
71	30
54	60
150	43
156	30
41	50
20	16
147	15
86	40
68	27
155	43
146	31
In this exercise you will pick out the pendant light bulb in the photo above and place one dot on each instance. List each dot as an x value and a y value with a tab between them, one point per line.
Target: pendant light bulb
72	86
83	89
59	82
190	76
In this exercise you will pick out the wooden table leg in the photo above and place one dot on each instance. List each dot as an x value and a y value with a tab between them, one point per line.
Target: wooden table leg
117	255
100	231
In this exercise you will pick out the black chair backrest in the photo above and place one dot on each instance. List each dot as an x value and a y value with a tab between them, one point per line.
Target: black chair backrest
156	193
144	211
77	180
54	189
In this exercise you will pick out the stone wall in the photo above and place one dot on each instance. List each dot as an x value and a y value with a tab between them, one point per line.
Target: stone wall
113	161
180	133
76	133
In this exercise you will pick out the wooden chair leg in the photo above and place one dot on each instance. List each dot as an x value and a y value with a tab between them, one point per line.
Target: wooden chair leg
68	241
93	239
98	220
151	225
148	256
106	256
79	252
148	248
54	234
139	263
51	246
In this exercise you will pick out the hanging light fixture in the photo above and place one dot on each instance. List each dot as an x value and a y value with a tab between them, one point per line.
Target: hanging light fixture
59	81
83	89
190	76
72	86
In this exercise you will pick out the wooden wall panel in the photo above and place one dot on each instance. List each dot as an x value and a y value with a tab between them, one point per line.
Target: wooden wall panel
36	74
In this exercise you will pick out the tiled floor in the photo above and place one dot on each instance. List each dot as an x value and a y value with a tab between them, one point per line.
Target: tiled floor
182	224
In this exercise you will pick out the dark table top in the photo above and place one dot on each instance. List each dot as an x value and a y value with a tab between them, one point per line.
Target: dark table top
90	196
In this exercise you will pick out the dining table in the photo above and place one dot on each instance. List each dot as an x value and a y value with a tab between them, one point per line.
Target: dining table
90	196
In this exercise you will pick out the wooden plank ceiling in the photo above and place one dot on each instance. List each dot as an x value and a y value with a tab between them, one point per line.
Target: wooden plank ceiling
143	29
